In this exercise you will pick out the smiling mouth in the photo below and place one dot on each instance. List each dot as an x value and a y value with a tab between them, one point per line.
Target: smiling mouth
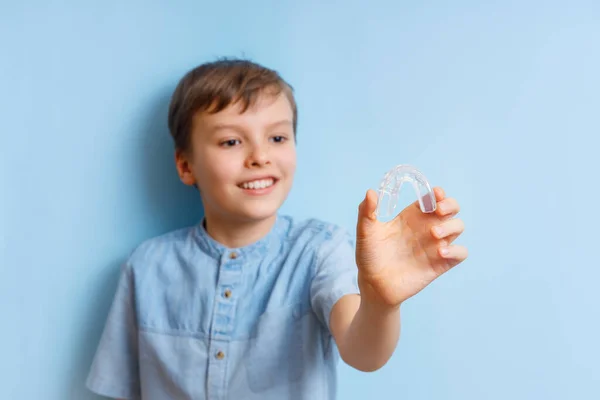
258	184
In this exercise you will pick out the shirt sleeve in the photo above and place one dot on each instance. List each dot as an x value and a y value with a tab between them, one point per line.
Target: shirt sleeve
336	273
114	372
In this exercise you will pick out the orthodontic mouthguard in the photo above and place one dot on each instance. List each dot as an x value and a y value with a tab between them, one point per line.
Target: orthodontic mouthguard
391	183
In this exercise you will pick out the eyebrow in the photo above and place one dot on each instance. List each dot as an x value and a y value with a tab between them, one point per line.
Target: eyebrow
220	126
286	122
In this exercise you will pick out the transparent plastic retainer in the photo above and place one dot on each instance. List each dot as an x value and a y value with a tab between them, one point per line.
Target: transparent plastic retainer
391	183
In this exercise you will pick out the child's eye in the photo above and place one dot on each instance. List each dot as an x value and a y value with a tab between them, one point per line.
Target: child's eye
279	139
230	143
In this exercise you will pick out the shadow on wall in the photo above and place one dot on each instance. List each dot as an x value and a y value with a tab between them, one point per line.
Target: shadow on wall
171	203
166	204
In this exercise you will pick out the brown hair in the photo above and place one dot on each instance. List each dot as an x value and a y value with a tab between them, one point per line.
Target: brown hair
213	86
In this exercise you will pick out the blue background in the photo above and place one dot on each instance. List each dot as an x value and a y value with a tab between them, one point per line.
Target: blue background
497	102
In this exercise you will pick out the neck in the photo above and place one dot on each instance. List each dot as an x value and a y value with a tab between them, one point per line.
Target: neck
235	233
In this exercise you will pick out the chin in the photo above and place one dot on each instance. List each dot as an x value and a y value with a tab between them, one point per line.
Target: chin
258	212
259	215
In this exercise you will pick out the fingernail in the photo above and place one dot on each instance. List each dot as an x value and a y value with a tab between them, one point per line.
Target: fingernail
439	231
445	251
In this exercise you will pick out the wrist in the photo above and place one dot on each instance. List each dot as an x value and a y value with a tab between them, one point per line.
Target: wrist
374	307
372	304
372	299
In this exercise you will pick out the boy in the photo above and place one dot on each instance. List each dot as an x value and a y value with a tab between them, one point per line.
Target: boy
251	304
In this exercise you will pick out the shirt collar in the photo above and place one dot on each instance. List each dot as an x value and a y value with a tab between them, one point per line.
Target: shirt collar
217	250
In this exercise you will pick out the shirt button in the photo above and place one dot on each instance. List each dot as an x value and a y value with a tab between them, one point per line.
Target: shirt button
227	293
220	355
233	255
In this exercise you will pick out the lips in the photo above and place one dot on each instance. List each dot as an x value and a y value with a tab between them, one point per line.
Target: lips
258	183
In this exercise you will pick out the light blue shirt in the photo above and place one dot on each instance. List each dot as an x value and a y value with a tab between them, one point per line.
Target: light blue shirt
193	319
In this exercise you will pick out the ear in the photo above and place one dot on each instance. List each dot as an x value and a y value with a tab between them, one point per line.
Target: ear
184	168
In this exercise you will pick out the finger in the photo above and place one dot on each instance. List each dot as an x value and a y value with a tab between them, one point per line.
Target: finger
451	238
454	252
439	195
447	207
370	204
448	228
366	212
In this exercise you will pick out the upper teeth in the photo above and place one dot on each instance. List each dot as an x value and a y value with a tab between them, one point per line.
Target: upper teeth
260	184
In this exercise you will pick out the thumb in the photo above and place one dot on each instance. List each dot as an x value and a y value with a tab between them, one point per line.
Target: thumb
366	212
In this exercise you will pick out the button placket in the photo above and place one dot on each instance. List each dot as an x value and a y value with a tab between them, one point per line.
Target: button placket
230	273
229	276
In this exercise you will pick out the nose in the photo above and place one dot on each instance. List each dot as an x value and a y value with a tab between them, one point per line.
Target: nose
258	157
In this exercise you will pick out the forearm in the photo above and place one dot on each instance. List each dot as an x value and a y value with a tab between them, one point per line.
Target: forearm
371	337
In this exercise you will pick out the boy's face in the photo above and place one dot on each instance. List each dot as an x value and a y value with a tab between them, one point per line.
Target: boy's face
243	164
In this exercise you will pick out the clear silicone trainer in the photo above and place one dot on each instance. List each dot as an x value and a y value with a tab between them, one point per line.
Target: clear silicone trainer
391	183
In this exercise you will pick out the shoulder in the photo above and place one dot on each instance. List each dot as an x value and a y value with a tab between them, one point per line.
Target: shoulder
163	247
